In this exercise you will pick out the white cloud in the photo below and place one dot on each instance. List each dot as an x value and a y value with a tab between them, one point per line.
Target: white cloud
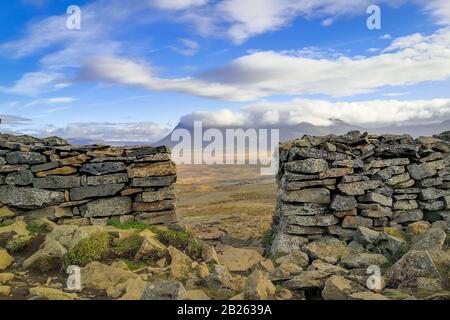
144	132
186	47
13	120
49	101
408	60
320	112
177	4
439	9
385	37
240	20
35	83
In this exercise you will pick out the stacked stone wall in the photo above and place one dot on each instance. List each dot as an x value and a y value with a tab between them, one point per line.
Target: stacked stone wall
85	184
334	185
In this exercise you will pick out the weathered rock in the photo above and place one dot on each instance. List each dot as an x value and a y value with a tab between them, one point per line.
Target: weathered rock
209	254
5	278
98	169
63	171
358	188
164	290
389	172
363	260
6	213
158	195
425	170
57	182
335	173
308	280
21	178
86	192
151	248
29	198
158	169
320	196
313	221
5	260
219	277
164	205
44	293
296	257
374	210
366	236
25	158
180	268
154	181
389	163
146	151
432	239
419	227
285	271
297	185
106	207
343	203
307	166
367	295
198	295
433	194
45	166
284	244
327	249
398	179
412	265
117	178
134	289
377	198
48	257
405	205
100	276
239	260
258	287
354	222
339	288
407	216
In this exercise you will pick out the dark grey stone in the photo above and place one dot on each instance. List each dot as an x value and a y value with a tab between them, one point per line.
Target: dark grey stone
57	182
25	158
29	198
98	169
21	178
87	192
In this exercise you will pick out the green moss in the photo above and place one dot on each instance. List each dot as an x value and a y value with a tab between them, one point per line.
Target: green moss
47	263
267	238
38	228
88	250
134	265
127	247
17	245
396	294
182	240
5	224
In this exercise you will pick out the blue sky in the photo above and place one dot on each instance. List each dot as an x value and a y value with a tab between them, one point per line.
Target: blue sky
135	68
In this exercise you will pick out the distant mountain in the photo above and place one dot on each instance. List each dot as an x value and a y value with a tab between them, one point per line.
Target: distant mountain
337	127
293	132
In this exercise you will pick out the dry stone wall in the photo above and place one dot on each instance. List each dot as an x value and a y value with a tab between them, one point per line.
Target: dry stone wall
85	184
333	185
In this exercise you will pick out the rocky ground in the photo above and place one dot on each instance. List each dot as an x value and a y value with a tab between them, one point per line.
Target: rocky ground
134	261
